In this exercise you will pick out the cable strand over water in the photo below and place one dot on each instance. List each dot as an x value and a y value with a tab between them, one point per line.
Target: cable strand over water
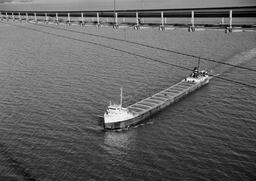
153	47
234	81
127	52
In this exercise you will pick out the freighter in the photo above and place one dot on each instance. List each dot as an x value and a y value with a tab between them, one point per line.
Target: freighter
117	117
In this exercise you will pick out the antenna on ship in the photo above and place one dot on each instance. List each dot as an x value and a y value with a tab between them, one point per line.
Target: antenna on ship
198	63
121	96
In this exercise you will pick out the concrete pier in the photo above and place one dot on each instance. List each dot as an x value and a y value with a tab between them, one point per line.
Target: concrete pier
69	20
98	19
46	18
116	21
229	28
230	19
222	21
82	19
13	17
137	25
35	18
57	19
27	18
20	19
162	27
192	27
6	17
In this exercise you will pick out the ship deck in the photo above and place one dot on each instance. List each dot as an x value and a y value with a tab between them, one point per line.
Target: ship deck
171	94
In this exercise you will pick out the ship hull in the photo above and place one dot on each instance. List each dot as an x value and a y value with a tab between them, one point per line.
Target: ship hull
140	117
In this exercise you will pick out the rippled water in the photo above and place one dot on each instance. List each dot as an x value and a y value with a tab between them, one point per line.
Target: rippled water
53	89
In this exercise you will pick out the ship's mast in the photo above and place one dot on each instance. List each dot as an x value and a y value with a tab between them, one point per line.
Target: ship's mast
198	63
121	96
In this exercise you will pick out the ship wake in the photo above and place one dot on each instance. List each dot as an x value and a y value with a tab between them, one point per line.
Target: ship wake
238	59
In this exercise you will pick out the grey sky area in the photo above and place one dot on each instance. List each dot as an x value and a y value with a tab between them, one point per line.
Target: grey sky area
120	4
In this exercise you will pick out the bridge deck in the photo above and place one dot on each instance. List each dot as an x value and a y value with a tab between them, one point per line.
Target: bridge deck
238	11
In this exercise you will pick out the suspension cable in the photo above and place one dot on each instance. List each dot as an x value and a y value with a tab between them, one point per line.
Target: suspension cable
149	46
127	52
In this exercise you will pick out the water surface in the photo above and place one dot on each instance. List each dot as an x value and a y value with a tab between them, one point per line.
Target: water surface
53	88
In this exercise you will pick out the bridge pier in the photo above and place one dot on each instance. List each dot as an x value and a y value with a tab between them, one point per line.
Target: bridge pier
229	29
115	26
230	19
137	26
192	27
82	19
6	16
20	19
69	21
13	18
46	18
27	18
35	18
222	21
98	20
57	19
1	16
162	26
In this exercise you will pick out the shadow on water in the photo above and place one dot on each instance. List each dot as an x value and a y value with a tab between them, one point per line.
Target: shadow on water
19	168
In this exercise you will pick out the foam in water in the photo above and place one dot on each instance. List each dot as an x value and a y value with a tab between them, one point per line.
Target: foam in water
236	60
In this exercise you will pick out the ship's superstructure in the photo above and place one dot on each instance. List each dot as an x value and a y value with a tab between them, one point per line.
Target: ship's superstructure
116	113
